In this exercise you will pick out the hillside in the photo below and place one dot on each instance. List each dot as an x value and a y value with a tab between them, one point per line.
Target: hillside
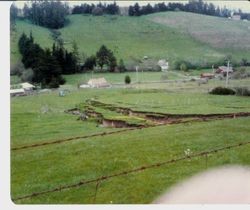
162	35
218	32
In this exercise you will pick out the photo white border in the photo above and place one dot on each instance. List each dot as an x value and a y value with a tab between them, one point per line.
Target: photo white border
5	200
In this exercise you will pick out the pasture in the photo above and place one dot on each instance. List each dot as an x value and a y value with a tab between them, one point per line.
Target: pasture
54	155
156	36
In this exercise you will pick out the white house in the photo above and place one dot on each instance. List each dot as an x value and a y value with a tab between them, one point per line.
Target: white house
163	64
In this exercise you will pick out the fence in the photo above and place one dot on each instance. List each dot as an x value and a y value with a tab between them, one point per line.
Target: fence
98	180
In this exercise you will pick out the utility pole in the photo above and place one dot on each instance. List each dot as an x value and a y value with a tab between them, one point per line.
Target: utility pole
227	73
136	68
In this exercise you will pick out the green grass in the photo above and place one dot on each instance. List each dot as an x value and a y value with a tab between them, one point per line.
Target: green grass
131	38
118	78
107	155
217	32
46	167
41	118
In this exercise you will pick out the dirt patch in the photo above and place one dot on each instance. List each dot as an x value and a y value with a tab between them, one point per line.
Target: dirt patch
117	124
165	118
100	119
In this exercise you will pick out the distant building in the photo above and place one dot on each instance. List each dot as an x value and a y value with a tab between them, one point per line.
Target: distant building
207	75
163	64
17	92
27	86
21	89
223	70
98	83
236	17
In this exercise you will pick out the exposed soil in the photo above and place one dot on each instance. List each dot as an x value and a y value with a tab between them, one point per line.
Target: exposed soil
165	118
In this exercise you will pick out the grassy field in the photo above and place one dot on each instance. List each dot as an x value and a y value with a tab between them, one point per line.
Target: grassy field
118	78
41	118
217	32
156	36
52	151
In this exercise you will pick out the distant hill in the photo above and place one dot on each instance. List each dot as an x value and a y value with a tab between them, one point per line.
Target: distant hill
169	35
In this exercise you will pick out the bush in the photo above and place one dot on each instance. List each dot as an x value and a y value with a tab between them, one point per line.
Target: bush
242	91
27	75
222	91
127	79
183	67
17	69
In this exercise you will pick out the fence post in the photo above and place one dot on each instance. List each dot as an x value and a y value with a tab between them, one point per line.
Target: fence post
96	188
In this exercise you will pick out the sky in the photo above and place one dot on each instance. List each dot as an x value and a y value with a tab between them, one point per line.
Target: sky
244	5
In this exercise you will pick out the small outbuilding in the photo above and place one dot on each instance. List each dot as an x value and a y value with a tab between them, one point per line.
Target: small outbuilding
163	64
207	75
98	83
27	86
17	92
224	69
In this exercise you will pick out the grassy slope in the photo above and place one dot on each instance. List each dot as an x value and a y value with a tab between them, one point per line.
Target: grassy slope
41	35
228	35
133	37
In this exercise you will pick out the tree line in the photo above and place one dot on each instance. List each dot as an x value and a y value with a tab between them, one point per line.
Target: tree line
99	9
52	14
46	66
197	6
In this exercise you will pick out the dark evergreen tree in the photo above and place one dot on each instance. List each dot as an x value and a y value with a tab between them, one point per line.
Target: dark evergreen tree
121	66
90	63
51	14
112	9
131	11
102	56
137	10
13	13
43	64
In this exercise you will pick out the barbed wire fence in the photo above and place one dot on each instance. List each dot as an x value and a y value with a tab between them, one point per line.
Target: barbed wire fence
100	179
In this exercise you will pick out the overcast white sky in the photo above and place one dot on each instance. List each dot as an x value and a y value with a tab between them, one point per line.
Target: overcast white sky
244	5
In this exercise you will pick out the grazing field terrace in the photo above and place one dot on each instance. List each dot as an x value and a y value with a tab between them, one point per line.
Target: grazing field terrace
68	151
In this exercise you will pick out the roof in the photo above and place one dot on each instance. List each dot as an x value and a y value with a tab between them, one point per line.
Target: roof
162	62
27	85
17	91
224	68
98	82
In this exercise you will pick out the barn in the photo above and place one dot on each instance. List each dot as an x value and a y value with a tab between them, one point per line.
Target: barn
98	83
223	70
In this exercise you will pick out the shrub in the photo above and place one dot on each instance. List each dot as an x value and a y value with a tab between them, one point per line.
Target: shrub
27	75
222	91
121	66
127	79
242	91
17	69
183	67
